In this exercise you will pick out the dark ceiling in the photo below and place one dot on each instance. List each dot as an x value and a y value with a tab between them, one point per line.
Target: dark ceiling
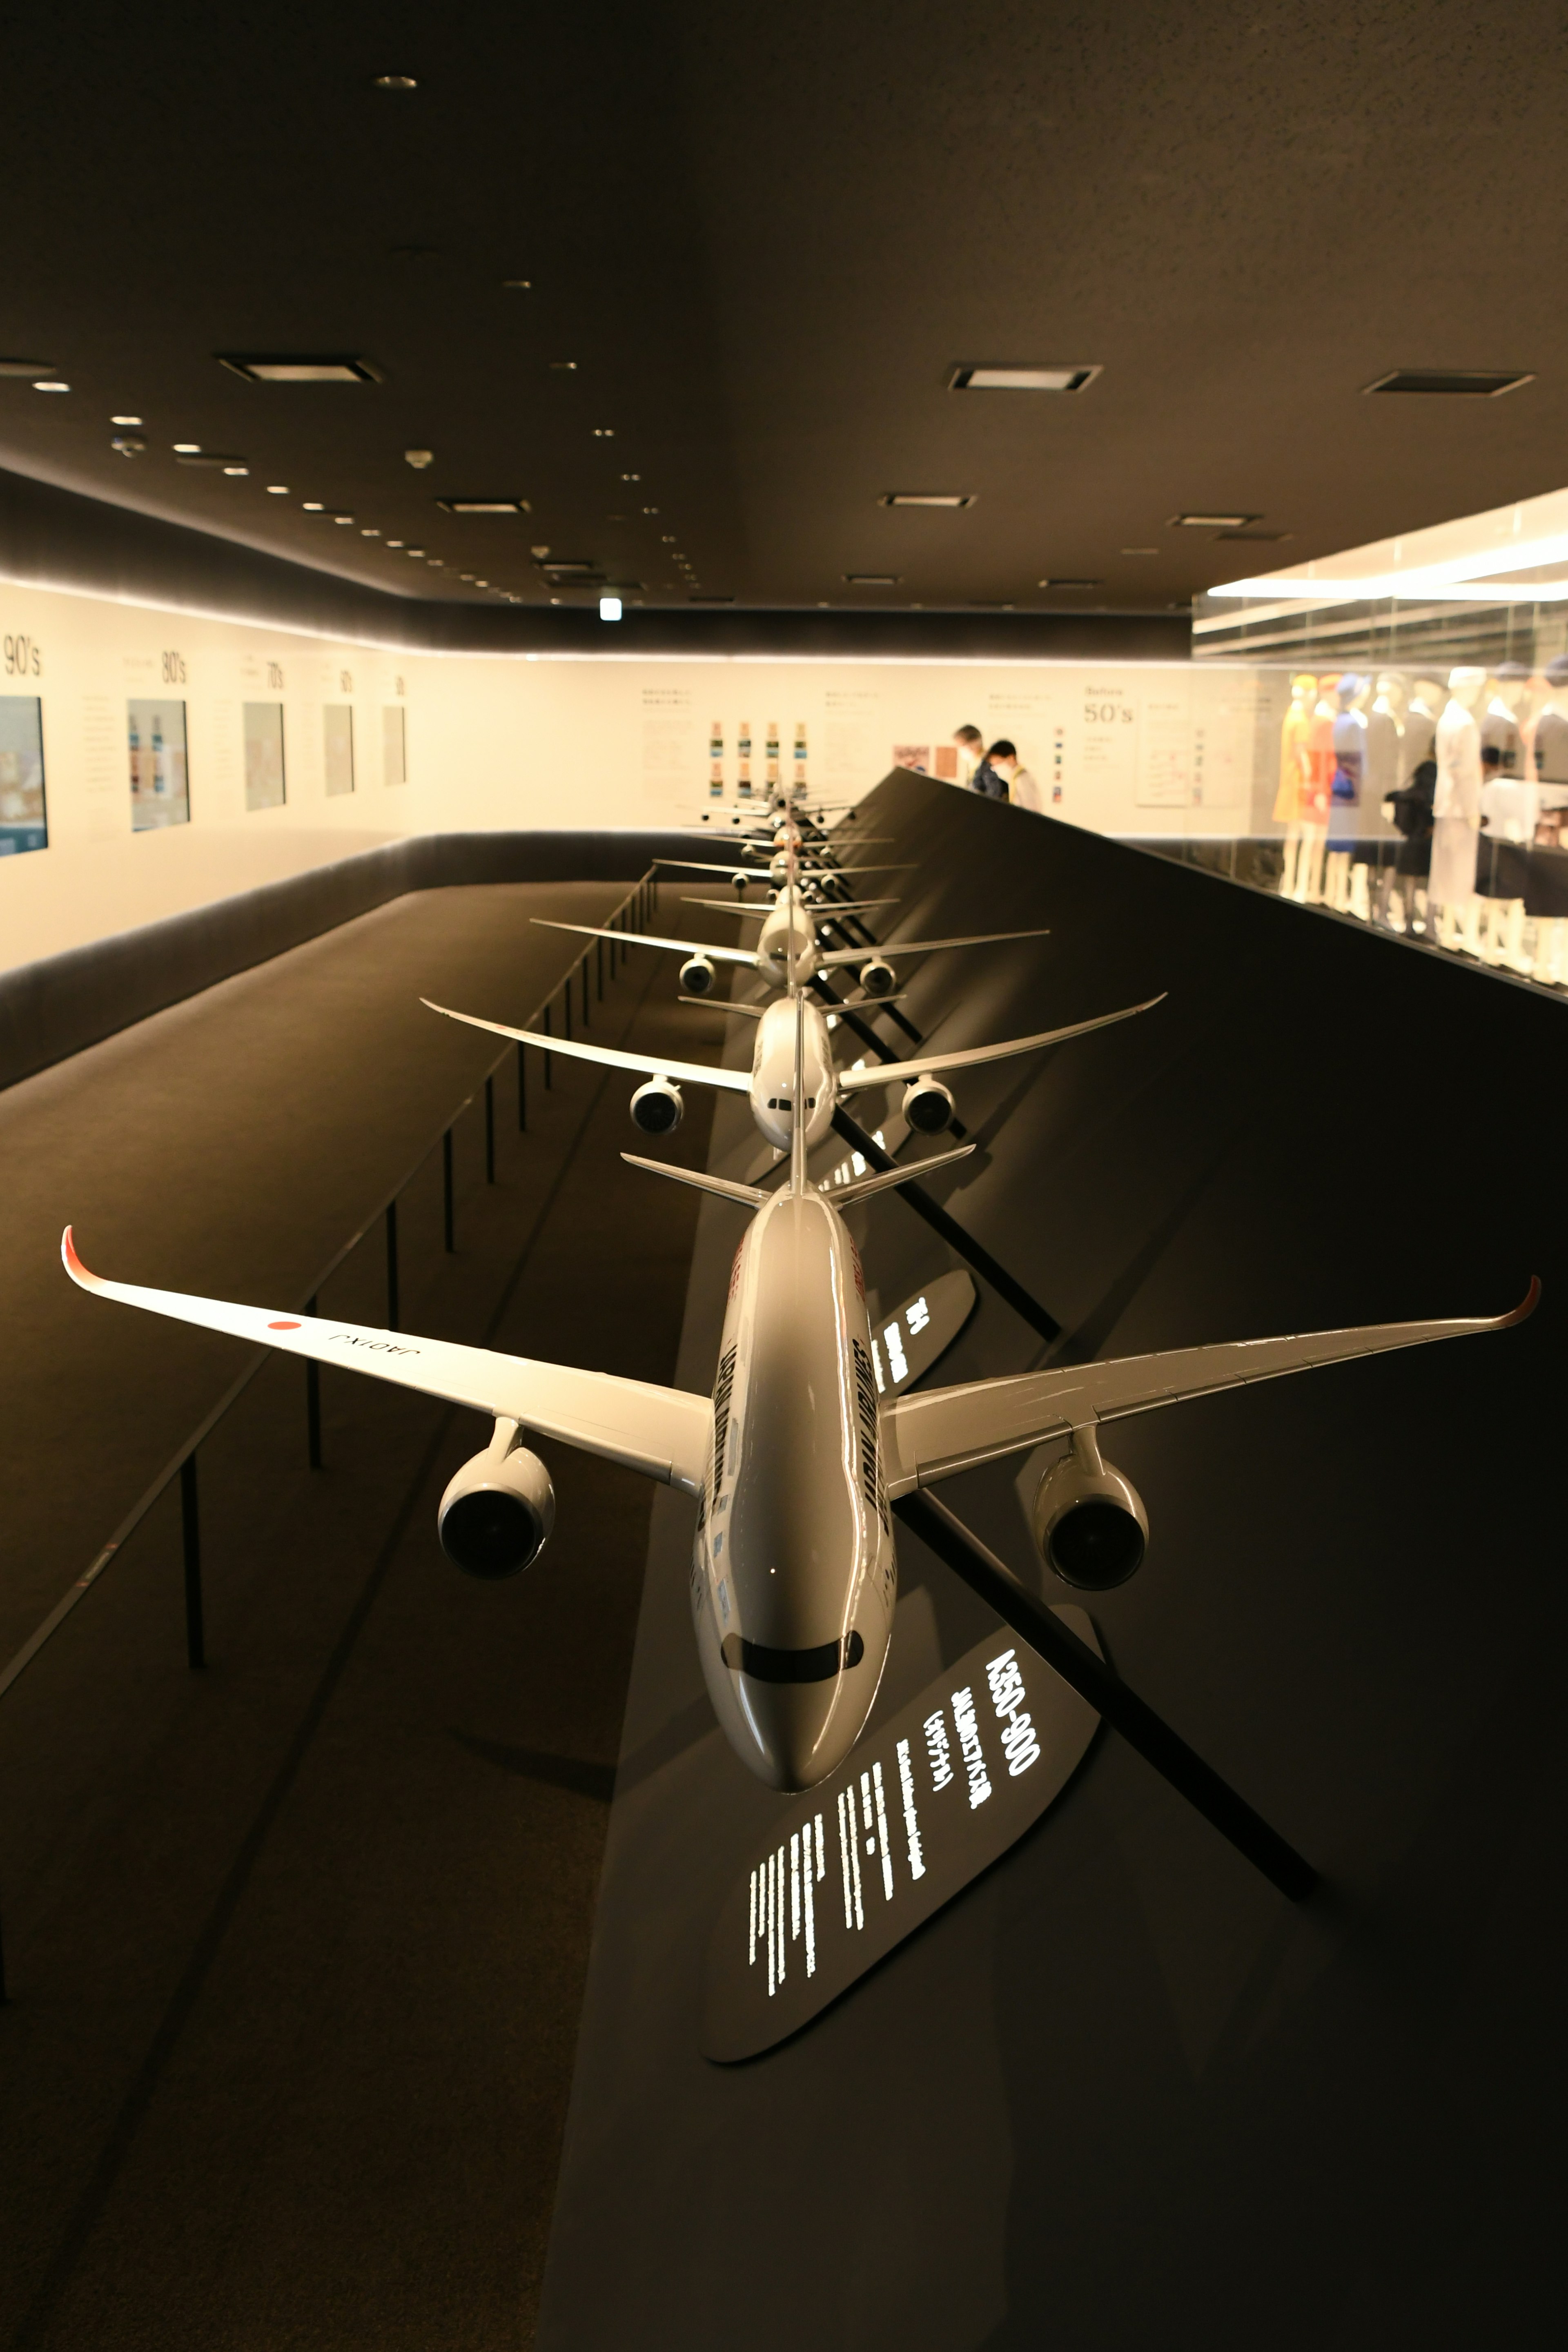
763	238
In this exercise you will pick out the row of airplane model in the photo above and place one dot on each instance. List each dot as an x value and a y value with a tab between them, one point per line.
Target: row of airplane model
793	1460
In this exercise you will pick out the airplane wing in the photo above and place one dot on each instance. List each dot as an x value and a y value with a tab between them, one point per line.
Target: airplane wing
697	1074
650	939
664	1433
850	1081
830	909
921	946
933	1436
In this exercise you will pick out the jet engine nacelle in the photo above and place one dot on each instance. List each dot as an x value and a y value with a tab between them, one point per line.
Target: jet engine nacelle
1089	1520
656	1108
927	1106
497	1514
878	978
741	880
698	975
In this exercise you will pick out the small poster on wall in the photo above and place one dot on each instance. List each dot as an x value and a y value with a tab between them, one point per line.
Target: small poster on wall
160	787
912	755
24	824
264	785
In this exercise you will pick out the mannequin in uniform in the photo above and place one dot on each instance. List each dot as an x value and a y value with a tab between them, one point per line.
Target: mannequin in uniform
1548	766
1345	788
1384	738
1508	707
1410	809
1456	812
1511	805
1293	778
1317	797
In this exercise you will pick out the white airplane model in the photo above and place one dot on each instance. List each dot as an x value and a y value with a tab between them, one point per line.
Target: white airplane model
657	1107
793	1461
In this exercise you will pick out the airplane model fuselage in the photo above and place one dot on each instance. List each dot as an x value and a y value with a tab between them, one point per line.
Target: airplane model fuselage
793	1573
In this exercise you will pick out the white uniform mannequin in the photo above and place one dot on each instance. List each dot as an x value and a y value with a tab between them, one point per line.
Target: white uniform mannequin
1346	806
1456	812
1385	742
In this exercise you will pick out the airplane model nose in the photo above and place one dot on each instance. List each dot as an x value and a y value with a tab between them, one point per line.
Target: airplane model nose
804	1729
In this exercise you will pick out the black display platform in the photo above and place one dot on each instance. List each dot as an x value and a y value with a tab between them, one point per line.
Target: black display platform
1119	2093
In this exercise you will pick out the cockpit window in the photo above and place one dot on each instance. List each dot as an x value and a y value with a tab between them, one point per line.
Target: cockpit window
765	1666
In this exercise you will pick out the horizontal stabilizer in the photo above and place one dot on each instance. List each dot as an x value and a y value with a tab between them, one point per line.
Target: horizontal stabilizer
751	1195
887	1180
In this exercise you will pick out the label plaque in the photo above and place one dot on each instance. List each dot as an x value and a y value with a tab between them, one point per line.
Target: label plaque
920	1809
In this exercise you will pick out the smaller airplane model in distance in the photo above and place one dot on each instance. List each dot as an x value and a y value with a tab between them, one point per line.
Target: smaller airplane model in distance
657	1106
793	1461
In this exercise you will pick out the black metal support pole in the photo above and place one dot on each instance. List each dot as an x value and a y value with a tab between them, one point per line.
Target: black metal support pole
852	1023
391	1266
522	1091
566	1006
585	990
313	1405
549	1031
599	965
449	1206
899	1020
191	1529
490	1128
954	1233
1105	1691
5	1996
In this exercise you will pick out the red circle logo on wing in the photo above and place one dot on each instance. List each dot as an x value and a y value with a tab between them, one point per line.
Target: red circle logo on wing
283	1327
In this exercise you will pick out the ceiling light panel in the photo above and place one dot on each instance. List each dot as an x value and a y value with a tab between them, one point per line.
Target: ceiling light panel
1211	522
485	506
1478	384
298	369
987	378
926	499
31	369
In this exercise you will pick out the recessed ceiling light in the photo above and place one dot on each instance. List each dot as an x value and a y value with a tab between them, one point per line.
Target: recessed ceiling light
631	477
128	444
277	490
394	543
517	284
482	583
187	449
603	432
342	521
416	552
485	506
395	81
666	538
368	533
1210	521
30	368
51	384
1021	379
237	469
312	506
565	367
464	575
419	458
300	369
1480	384
1070	584
439	561
871	579
925	498
650	509
125	420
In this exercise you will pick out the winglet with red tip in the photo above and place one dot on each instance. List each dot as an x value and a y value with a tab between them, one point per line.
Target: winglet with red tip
73	1265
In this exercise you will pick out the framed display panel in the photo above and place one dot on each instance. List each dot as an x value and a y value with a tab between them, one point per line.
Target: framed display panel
160	784
393	744
264	782
23	817
338	744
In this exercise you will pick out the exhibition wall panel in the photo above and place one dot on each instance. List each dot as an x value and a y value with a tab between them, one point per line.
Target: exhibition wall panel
136	785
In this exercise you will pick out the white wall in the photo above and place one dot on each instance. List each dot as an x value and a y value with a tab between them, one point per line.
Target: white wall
533	739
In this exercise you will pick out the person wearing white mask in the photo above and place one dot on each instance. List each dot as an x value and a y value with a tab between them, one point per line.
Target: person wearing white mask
1022	788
